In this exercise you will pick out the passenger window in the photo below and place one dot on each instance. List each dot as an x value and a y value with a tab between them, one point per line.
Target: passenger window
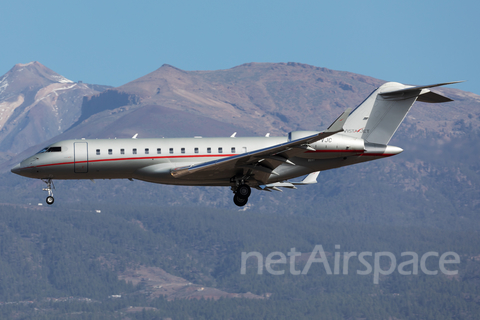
147	151
182	150
209	150
220	150
110	151
233	149
122	151
134	151
159	151
98	152
171	150
196	150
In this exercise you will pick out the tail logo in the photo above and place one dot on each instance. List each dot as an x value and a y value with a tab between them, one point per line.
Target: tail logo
361	130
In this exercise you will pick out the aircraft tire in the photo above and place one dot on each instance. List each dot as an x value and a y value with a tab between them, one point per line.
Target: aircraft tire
239	201
50	200
243	191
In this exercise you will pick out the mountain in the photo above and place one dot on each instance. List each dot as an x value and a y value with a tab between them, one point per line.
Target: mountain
37	104
259	97
440	140
251	99
161	238
265	97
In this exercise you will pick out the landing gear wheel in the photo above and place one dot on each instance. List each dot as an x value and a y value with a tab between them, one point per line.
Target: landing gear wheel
239	201
50	200
243	191
49	188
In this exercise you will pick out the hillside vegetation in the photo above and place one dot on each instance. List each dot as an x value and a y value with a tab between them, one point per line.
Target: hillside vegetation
59	252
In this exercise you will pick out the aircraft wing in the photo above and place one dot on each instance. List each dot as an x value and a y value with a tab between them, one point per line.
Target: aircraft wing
261	162
310	179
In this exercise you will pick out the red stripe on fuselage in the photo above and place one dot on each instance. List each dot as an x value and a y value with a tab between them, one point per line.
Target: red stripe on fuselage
137	158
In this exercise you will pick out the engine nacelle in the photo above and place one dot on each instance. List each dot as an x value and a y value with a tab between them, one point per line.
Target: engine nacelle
334	146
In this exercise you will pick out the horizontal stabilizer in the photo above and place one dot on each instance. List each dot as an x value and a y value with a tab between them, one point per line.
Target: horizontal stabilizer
432	97
424	87
424	95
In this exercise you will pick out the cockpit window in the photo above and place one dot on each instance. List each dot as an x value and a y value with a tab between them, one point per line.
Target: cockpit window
51	149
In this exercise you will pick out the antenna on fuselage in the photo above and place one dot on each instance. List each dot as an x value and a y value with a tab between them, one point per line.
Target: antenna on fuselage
135	136
233	135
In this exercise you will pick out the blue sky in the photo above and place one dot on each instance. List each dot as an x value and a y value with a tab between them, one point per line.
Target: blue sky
114	42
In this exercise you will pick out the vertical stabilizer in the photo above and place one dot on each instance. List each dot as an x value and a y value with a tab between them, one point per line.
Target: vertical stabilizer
378	117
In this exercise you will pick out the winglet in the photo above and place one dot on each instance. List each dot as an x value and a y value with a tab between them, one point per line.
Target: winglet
310	179
337	125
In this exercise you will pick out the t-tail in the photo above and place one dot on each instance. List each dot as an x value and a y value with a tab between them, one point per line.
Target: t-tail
377	118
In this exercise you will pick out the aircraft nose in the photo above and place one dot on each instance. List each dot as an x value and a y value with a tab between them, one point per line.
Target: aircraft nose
16	169
24	171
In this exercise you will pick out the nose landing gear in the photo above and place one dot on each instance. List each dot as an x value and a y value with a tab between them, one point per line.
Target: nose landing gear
49	187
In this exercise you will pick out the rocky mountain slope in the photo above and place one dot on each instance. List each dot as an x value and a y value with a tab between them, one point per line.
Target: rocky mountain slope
37	104
267	97
259	97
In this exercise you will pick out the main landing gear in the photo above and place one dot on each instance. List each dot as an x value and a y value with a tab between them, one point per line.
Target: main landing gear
242	193
49	187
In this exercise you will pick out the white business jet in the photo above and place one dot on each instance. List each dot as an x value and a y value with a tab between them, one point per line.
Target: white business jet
264	163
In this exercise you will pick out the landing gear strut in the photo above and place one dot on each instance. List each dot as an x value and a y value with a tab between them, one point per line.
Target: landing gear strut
49	187
242	193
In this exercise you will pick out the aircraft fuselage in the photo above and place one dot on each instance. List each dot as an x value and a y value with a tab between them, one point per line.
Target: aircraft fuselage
153	159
